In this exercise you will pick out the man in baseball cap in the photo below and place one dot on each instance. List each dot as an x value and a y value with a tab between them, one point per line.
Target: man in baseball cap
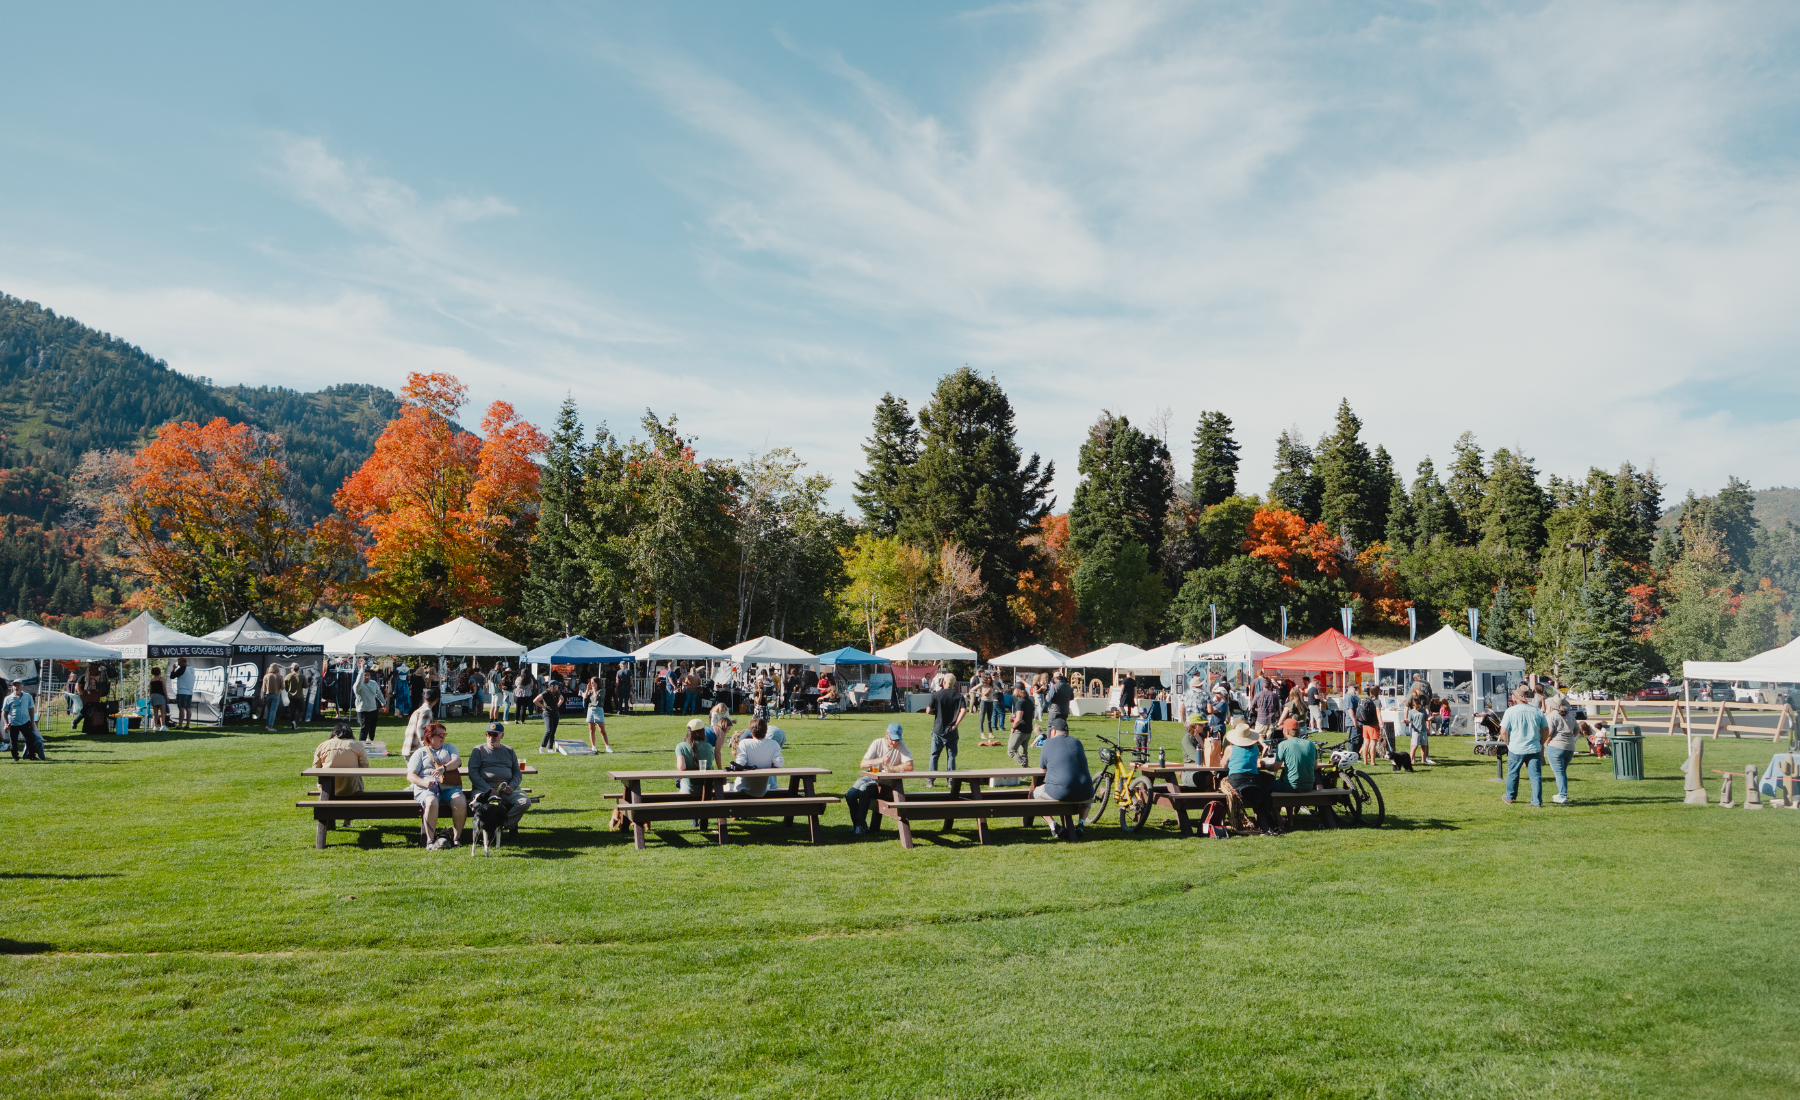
887	753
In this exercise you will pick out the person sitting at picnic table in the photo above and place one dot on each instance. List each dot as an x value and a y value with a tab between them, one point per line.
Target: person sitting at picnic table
342	750
1596	738
830	702
1193	741
432	773
1298	757
1066	775
494	765
885	755
757	751
1245	781
694	752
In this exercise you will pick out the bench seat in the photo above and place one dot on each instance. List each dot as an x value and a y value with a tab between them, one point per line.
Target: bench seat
718	810
949	810
327	812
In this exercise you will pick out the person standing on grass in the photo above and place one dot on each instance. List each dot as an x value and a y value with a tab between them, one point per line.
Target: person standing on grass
436	782
1524	725
1561	747
551	700
1293	715
183	676
1265	705
368	700
622	689
1314	705
271	696
1418	721
525	689
946	709
1024	715
596	714
294	685
1127	693
159	701
1066	775
20	713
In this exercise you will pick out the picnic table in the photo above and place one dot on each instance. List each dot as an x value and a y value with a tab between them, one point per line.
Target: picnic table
980	800
328	807
710	801
1166	782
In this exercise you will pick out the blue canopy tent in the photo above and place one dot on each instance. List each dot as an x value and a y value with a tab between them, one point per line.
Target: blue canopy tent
880	685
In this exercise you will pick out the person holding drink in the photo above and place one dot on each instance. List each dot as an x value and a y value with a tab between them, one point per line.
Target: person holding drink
886	754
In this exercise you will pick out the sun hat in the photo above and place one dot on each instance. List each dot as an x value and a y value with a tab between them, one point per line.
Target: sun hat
696	723
893	731
1241	735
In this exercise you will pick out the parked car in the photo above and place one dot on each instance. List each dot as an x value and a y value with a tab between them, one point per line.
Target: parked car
1720	692
1655	689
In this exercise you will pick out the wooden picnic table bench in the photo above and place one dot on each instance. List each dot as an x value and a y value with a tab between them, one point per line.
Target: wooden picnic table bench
895	801
329	807
1205	790
711	802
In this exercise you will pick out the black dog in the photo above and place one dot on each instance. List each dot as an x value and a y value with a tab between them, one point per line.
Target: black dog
488	816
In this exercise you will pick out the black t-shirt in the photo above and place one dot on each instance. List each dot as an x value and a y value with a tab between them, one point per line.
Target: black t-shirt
1057	705
1127	690
1065	765
943	708
1025	709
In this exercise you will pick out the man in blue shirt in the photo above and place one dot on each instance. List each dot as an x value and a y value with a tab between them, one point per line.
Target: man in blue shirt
1524	724
1066	774
20	711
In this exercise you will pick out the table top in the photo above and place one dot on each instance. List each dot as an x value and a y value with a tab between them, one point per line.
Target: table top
713	773
380	773
967	773
1172	766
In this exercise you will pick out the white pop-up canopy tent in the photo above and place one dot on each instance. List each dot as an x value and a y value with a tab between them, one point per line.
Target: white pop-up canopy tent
376	639
461	638
1238	644
24	640
320	631
1777	666
678	647
926	645
1118	655
144	638
770	651
1448	649
1454	667
1032	656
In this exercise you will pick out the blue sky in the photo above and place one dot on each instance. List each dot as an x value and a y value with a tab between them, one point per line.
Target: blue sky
1573	228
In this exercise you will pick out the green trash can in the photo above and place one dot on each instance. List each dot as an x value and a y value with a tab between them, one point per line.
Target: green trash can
1628	752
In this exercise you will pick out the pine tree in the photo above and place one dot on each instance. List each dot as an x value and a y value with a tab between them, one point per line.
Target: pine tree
1502	623
972	487
1467	486
891	450
1434	513
1402	527
1516	506
1603	655
557	586
1125	491
1296	487
1382	484
1636	507
1346	472
1215	460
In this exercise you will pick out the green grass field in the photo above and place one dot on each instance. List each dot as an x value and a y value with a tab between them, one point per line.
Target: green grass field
171	932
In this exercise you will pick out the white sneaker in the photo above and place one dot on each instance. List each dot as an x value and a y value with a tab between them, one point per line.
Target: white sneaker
1560	800
609	748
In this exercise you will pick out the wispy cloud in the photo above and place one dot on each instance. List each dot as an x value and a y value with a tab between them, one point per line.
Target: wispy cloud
1553	224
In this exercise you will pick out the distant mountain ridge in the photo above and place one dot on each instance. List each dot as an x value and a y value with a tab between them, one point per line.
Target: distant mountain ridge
66	389
1773	507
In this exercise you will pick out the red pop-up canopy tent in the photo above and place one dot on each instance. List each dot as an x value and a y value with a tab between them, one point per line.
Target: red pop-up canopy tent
1329	652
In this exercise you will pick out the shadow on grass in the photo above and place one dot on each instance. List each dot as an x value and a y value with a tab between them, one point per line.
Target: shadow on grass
33	874
25	947
1416	824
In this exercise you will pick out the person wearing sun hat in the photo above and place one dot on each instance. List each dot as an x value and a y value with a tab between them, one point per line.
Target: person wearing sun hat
1244	778
887	753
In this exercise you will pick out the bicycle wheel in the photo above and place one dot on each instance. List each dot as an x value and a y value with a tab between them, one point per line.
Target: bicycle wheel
1139	798
1103	793
1371	809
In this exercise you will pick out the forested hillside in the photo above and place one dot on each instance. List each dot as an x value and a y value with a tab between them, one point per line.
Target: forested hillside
66	389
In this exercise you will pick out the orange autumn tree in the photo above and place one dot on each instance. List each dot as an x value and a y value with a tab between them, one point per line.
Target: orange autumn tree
443	515
205	515
1293	546
1044	606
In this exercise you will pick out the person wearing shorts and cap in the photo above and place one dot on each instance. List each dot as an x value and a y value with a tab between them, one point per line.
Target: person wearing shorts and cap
887	753
495	765
1242	775
436	783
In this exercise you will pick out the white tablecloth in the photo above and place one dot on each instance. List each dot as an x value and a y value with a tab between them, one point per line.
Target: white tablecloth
1086	705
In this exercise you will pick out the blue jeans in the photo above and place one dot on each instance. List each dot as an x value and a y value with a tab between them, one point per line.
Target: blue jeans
271	707
25	739
1559	766
1534	764
943	744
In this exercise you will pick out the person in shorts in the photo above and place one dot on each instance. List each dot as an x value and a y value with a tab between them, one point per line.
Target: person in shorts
183	676
159	701
433	774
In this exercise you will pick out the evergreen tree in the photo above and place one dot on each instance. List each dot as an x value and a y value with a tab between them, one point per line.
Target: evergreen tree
1215	460
891	450
1434	512
557	587
1296	487
1402	526
1125	491
1467	486
1382	484
1603	654
1516	506
1777	557
1346	472
1503	624
972	487
1728	516
1636	507
1120	596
